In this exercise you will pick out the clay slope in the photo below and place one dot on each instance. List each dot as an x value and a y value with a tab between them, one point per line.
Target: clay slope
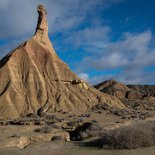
118	89
138	97
33	79
146	90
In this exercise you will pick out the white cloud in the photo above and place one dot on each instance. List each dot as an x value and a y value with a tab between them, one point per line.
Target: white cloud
132	53
84	76
88	37
98	79
19	17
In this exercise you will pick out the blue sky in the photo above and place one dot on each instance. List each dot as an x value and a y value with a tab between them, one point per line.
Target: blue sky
98	39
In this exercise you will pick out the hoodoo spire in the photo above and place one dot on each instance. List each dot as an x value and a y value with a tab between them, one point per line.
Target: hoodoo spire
42	26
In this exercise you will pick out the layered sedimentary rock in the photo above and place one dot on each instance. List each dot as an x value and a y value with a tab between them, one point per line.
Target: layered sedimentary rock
33	78
118	89
146	90
139	97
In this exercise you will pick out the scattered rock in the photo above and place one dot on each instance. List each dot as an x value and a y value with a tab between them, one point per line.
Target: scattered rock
57	138
86	130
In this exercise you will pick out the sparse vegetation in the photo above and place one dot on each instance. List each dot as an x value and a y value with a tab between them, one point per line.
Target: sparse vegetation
47	128
123	113
130	137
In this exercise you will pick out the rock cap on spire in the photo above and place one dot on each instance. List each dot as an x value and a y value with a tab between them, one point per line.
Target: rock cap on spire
41	9
41	33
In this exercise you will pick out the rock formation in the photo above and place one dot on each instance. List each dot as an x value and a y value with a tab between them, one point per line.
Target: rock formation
137	97
121	90
33	78
118	89
146	90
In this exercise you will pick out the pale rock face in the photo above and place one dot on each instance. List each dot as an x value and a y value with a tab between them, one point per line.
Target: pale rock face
33	77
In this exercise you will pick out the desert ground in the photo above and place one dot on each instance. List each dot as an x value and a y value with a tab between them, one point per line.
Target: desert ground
51	135
61	148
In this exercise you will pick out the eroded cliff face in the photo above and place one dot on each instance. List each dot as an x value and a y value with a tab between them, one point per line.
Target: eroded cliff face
118	89
33	78
121	90
146	90
138	97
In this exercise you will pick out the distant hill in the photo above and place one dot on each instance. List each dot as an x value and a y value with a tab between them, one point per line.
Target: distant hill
138	97
118	89
147	90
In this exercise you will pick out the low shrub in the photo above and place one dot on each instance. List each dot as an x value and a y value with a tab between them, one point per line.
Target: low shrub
130	137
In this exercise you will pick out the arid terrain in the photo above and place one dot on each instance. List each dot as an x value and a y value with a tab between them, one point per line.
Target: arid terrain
68	133
47	109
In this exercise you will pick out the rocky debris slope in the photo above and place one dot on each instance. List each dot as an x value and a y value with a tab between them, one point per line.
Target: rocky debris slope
33	79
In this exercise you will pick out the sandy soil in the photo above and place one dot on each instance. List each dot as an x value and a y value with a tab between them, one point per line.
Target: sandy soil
68	148
106	121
